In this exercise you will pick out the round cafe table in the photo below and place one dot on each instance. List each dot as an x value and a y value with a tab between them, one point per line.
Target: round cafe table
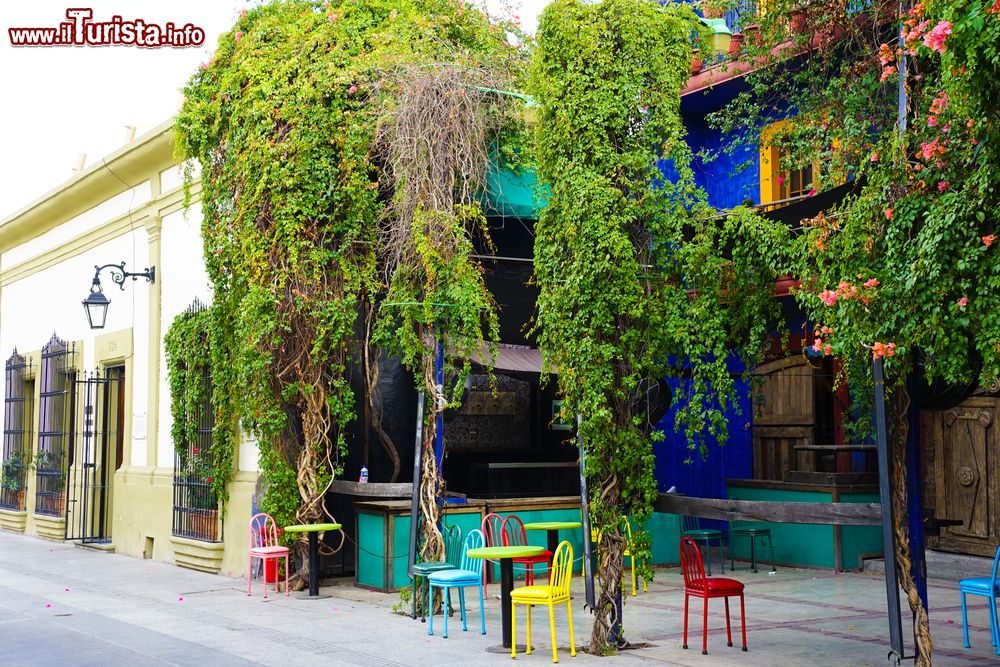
313	530
553	528
505	555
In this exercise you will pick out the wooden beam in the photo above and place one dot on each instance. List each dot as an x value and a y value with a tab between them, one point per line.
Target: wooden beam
842	514
373	489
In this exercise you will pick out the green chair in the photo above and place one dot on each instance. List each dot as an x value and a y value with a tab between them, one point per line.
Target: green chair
693	529
753	534
452	552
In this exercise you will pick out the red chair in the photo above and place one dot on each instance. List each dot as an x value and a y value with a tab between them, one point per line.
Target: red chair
515	536
264	546
697	585
493	532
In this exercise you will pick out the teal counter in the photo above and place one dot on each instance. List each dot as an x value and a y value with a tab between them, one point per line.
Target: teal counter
815	545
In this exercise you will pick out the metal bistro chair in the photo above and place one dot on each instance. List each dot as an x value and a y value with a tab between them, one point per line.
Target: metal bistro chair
696	584
452	546
693	529
515	536
555	593
628	554
469	574
753	534
264	547
493	533
988	588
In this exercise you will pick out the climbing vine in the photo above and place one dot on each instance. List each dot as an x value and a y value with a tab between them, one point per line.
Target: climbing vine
282	123
198	374
638	278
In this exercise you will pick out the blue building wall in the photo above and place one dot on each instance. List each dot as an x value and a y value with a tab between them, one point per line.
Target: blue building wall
730	178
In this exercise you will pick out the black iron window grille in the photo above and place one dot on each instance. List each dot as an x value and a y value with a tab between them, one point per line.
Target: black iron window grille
17	420
55	447
196	508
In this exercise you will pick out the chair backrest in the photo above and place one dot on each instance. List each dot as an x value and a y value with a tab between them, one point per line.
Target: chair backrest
263	531
562	569
691	523
691	564
474	540
493	529
513	532
627	529
453	545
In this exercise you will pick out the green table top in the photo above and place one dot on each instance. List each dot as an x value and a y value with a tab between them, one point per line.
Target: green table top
504	552
312	528
552	525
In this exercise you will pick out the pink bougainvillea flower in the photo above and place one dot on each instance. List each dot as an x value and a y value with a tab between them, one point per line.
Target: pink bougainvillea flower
880	350
943	185
887	72
995	9
871	282
828	297
935	39
963	302
195	450
813	192
781	179
828	349
990	238
209	480
243	14
932	121
886	56
888	213
874	157
352	90
818	345
939	103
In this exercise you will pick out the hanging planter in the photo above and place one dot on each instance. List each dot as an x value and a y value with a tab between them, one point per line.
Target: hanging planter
736	44
696	63
798	21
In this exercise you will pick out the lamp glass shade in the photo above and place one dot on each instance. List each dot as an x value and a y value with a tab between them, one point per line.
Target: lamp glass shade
96	307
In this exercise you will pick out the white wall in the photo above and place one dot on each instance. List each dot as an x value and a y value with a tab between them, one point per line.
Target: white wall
184	278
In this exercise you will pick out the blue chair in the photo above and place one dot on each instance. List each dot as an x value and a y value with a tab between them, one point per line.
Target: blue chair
469	574
988	589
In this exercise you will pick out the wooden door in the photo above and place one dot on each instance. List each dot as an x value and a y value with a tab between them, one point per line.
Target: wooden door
967	475
784	417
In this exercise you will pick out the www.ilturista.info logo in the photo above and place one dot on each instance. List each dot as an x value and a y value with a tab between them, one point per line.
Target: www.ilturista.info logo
80	30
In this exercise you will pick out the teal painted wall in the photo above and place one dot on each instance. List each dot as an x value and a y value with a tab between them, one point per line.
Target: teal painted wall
371	550
858	540
794	543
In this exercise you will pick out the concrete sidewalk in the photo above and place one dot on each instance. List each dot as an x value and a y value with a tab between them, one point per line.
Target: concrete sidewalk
62	605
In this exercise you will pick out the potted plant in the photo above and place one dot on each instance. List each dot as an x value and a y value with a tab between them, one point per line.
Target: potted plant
12	480
696	63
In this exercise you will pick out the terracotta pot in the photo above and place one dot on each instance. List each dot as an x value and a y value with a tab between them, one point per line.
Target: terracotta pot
736	44
205	524
696	64
754	35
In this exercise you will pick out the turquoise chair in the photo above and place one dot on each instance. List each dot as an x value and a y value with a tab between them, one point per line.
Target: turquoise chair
987	587
452	546
468	575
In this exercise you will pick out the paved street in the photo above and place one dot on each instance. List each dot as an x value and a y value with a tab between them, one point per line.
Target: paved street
62	605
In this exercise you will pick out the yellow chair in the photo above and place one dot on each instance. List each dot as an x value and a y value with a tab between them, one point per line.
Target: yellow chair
555	593
595	537
628	554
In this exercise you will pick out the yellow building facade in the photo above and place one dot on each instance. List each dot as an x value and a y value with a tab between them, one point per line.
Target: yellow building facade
86	451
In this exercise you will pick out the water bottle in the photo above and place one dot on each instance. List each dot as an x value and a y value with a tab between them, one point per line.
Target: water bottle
363	479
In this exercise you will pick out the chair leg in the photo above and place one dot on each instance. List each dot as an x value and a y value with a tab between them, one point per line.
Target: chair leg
552	627
704	627
482	614
445	608
729	634
753	554
572	639
264	576
965	623
770	546
513	630
632	558
995	624
527	613
686	600
286	575
429	595
413	597
743	621
461	601
249	574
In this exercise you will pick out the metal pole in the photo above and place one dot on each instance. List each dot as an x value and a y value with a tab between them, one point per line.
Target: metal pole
415	500
439	420
588	568
915	496
891	577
